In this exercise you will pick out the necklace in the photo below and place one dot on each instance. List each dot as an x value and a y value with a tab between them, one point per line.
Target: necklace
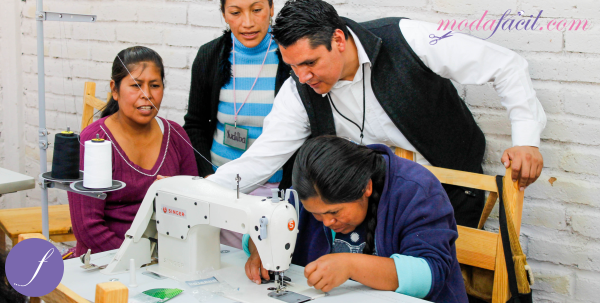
364	107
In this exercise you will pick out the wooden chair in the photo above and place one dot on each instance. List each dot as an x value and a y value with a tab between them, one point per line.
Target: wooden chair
90	102
477	247
109	292
16	221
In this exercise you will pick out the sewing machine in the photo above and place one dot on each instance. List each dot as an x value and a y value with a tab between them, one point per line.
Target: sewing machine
183	216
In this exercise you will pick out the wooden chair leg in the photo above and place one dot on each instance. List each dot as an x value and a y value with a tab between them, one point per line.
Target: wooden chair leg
2	241
14	241
35	300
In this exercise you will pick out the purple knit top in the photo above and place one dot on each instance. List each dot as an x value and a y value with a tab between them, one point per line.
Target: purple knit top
101	224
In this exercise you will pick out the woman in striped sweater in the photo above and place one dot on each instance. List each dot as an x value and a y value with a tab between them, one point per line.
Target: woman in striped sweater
234	81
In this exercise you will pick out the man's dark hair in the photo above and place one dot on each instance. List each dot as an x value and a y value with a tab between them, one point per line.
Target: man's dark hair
316	20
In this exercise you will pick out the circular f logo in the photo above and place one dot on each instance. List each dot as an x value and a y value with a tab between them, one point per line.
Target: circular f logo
34	267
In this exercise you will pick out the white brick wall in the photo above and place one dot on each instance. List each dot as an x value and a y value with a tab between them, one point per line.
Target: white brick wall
560	221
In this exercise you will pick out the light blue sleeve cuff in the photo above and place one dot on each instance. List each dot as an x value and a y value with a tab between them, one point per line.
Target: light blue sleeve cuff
414	276
245	240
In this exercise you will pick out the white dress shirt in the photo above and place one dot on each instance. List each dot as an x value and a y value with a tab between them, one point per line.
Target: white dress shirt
464	59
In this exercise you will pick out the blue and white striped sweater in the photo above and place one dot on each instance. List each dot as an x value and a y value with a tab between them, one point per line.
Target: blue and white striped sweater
251	116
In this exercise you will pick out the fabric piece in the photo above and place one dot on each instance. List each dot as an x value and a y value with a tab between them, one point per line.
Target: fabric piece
101	224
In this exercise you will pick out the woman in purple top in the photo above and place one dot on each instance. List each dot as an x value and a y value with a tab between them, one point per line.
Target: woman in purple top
145	148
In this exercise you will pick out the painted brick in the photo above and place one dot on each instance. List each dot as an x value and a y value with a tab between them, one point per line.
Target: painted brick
527	40
581	131
100	31
563	9
587	285
178	79
571	67
570	252
586	41
206	15
191	37
174	57
107	12
583	100
552	278
581	160
162	14
539	213
391	3
139	34
585	222
470	7
175	100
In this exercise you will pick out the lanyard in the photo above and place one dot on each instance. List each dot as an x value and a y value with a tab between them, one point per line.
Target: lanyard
364	108
235	110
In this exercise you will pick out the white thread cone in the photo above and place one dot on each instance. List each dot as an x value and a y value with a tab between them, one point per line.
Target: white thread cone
97	164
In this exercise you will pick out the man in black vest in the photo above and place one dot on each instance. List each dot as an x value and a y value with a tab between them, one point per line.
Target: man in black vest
386	81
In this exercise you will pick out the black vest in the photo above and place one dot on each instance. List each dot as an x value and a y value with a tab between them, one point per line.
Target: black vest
425	107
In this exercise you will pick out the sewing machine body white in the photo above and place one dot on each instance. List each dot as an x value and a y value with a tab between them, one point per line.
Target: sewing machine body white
187	214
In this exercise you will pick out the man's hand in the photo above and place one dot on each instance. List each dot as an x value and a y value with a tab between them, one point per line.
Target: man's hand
527	163
329	271
254	268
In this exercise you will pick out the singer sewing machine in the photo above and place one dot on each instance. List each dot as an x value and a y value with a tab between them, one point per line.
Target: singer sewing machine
184	215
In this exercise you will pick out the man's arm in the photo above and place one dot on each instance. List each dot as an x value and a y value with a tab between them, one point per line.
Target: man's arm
469	60
285	129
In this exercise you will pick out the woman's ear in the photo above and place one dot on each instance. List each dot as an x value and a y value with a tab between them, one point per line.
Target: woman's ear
115	94
369	189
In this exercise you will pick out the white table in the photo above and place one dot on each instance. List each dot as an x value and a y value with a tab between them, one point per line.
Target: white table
84	282
11	181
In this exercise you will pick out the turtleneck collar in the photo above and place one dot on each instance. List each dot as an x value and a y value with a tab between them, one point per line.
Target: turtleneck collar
260	48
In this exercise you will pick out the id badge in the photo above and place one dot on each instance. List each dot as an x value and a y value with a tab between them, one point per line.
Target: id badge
236	137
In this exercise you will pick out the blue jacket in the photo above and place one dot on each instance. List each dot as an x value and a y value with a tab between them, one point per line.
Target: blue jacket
414	218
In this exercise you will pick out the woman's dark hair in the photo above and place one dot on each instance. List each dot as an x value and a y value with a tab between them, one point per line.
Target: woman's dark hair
225	1
338	171
124	62
316	20
7	293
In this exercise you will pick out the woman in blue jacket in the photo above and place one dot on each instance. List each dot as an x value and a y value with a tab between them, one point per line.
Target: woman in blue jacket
373	217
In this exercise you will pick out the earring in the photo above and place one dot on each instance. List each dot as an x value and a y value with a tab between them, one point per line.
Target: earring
227	27
270	21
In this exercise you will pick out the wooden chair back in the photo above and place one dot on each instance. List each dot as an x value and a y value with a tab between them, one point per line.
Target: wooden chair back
90	102
477	247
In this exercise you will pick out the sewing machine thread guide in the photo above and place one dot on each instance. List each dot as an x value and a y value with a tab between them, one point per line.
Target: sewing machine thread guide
289	297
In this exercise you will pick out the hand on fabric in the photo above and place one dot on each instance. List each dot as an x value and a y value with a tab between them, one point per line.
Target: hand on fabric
527	163
329	271
254	268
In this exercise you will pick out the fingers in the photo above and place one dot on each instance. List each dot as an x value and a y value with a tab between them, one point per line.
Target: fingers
321	285
314	278
253	270
516	166
525	173
264	273
309	269
505	159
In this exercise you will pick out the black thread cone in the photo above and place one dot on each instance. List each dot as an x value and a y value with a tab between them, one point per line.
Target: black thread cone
65	162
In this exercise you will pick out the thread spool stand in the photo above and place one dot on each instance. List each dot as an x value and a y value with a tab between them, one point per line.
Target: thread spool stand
47	181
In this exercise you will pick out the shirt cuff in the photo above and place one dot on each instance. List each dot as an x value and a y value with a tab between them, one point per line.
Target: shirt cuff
414	276
245	243
526	133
